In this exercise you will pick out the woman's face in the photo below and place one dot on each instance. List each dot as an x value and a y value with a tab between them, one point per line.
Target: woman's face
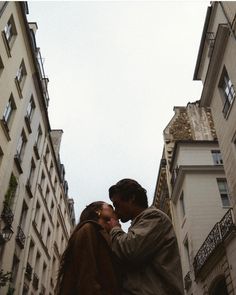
106	214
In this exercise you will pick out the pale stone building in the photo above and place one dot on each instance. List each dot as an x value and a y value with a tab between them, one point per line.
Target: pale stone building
192	188
216	68
37	215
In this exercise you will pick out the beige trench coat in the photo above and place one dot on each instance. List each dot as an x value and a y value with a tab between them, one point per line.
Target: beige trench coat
149	254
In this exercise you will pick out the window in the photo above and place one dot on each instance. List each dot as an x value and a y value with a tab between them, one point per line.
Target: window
38	136
217	158
224	191
8	113
42	181
186	249
42	226
30	109
1	155
21	146
47	193
44	273
52	208
29	113
227	90
37	263
48	238
14	269
31	251
31	173
51	169
23	216
182	205
47	154
1	66
37	210
20	77
9	35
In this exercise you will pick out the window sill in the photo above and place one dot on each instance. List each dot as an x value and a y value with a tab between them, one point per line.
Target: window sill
5	129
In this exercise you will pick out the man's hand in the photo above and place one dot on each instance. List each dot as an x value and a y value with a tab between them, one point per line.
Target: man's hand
113	222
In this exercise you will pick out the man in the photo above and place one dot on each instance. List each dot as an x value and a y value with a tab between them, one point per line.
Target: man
148	252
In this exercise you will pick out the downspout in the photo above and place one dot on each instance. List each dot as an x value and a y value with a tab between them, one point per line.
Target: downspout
228	21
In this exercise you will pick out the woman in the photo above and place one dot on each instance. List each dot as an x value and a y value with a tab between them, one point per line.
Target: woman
87	266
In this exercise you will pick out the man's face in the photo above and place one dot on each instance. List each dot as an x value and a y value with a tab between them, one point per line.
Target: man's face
122	208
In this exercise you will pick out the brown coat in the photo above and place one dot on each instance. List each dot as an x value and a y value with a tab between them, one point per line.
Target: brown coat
91	269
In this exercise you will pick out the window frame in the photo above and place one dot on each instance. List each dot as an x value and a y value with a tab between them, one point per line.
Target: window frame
7	118
217	157
223	193
227	91
21	77
9	40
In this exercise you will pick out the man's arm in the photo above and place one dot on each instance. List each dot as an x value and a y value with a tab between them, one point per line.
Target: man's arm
143	239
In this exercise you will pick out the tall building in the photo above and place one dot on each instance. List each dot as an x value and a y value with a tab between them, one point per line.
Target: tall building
192	189
216	68
37	216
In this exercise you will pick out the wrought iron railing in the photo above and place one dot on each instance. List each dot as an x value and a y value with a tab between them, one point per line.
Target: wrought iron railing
216	236
20	237
7	215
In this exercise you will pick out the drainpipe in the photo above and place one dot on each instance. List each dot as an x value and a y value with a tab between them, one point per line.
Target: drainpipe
227	18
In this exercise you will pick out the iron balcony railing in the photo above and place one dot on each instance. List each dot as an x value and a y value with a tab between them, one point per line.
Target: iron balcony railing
7	215
216	236
20	237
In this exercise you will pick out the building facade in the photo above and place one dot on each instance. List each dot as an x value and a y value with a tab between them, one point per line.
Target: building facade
37	216
216	68
192	189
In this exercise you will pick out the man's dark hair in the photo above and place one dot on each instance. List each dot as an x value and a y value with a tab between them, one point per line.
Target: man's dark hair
129	188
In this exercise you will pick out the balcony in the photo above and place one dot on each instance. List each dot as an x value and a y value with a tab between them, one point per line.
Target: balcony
217	235
28	271
7	215
20	237
35	281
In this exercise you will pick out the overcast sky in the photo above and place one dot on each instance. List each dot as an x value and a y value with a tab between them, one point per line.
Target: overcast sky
116	71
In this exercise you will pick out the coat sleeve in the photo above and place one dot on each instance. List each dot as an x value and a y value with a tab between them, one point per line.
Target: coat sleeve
143	238
86	261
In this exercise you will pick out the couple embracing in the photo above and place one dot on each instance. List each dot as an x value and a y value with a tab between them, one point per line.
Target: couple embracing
101	259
